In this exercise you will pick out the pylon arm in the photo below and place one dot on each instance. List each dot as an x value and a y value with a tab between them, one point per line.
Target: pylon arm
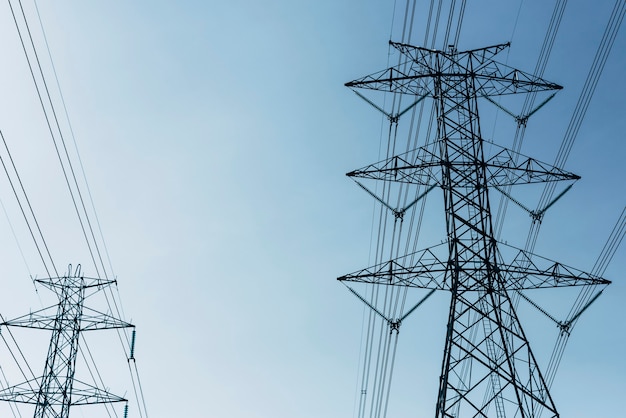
98	320
42	319
416	75
86	394
423	275
530	271
398	169
47	319
82	394
508	168
57	283
396	81
425	270
419	54
23	393
504	168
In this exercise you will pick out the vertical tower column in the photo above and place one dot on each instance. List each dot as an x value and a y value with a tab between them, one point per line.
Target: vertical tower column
485	352
54	396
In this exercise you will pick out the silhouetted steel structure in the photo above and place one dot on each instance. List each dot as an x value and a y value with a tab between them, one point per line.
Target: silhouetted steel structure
488	368
57	390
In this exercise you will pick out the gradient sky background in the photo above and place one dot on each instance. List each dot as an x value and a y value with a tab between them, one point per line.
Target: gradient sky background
215	137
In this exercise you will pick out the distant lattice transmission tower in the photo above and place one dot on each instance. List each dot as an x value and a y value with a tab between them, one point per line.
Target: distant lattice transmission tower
57	389
488	368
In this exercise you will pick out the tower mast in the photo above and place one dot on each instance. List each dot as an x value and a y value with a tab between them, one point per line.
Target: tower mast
488	367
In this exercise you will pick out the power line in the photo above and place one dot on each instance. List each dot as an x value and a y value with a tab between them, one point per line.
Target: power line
589	88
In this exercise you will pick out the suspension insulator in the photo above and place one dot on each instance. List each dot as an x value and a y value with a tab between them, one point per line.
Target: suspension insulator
132	346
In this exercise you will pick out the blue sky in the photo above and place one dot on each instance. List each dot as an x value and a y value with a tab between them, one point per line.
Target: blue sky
215	138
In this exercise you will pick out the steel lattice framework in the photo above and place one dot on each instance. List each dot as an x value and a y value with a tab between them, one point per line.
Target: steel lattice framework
57	390
488	366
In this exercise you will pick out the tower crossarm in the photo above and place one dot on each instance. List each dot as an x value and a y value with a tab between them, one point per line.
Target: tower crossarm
41	319
479	57
22	393
58	283
82	394
416	74
423	275
530	271
423	269
94	320
398	169
46	319
555	275
507	168
426	270
422	166
85	394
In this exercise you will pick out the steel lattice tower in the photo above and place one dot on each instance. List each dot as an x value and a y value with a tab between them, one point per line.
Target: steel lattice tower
57	390
488	368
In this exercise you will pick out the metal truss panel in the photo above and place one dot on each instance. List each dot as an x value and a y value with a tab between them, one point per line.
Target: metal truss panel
416	75
424	166
46	319
82	394
431	268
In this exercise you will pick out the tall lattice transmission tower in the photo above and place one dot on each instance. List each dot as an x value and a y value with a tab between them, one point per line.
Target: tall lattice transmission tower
488	367
57	389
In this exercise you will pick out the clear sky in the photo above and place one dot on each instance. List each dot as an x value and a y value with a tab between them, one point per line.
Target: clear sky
215	137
